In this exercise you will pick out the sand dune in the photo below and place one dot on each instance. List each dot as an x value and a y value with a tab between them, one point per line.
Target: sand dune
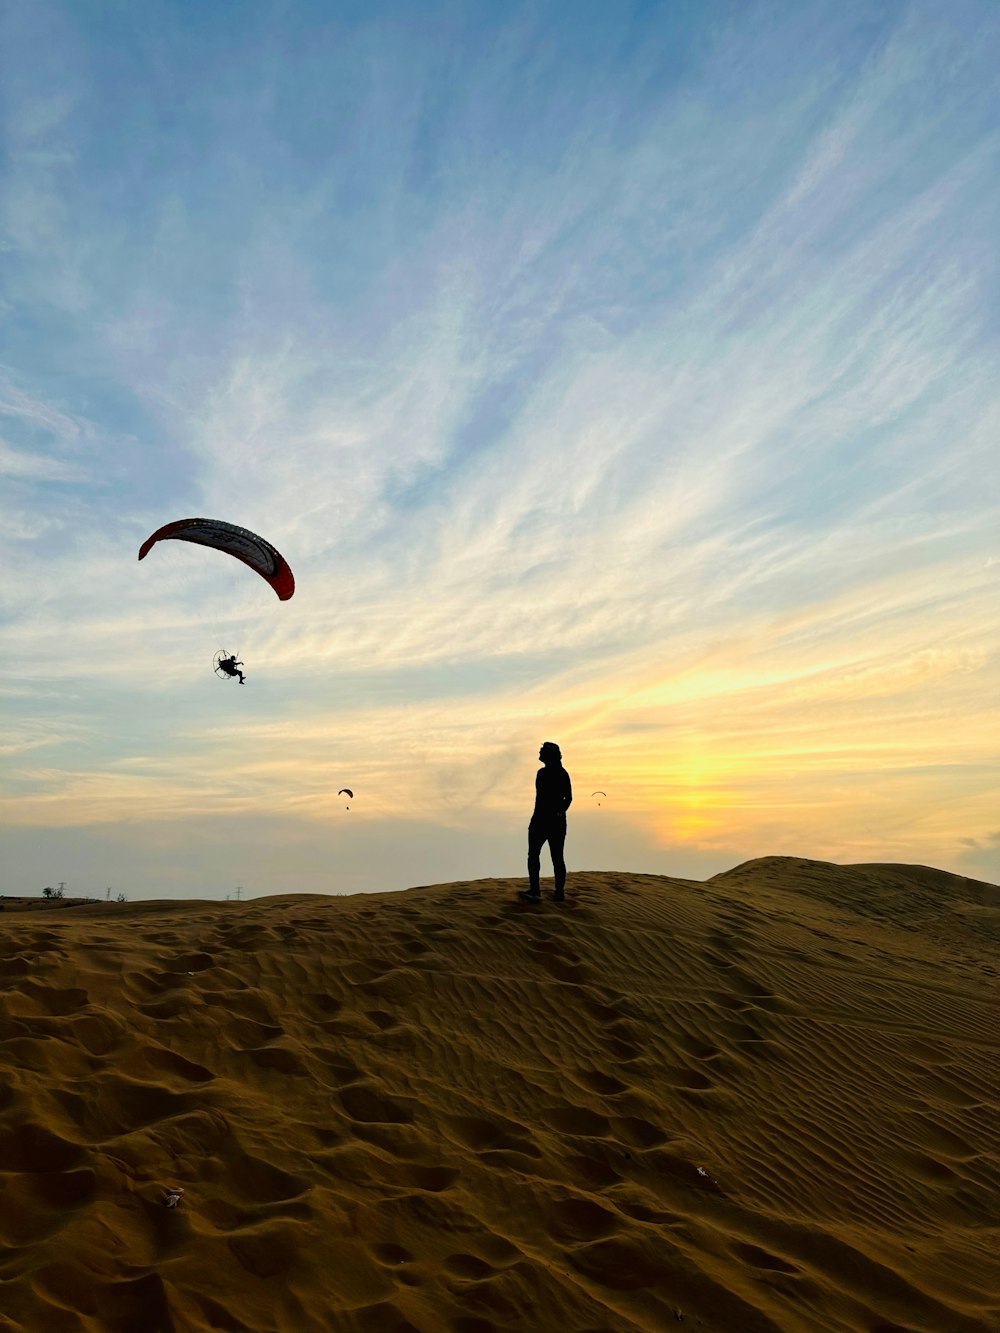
770	1101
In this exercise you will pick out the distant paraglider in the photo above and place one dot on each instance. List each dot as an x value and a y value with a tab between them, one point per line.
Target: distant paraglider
241	543
346	791
599	793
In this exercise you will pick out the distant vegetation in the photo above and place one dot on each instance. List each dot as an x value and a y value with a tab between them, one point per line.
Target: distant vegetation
48	899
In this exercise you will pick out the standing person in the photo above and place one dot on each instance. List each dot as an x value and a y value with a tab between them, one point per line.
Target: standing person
553	797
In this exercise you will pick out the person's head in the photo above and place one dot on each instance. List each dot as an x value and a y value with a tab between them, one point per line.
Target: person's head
550	753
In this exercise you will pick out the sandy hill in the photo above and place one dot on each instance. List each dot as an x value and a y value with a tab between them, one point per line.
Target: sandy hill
769	1101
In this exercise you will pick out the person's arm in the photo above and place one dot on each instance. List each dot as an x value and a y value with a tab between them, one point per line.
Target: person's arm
569	792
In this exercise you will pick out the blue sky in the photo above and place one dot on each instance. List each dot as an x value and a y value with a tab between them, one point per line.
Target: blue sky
623	375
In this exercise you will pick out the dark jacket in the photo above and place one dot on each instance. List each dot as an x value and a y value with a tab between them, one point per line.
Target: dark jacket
553	793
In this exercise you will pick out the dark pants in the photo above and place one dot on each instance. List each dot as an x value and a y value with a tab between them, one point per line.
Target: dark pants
540	832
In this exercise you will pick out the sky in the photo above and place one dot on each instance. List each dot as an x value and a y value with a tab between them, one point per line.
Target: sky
622	375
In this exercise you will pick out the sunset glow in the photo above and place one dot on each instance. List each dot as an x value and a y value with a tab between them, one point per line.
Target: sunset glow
617	375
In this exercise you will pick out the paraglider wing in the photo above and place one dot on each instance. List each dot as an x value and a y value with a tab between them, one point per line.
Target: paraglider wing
245	545
598	793
346	791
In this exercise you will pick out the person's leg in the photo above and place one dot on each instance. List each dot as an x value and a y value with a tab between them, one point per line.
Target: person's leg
557	842
536	840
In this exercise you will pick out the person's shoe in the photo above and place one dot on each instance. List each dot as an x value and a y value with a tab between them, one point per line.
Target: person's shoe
529	897
559	896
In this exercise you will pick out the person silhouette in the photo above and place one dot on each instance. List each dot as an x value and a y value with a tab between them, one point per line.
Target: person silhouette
231	667
553	797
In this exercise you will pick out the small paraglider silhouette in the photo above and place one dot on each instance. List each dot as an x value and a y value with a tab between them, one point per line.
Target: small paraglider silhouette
599	793
346	791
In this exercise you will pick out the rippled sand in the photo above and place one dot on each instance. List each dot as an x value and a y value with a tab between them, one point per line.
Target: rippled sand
769	1101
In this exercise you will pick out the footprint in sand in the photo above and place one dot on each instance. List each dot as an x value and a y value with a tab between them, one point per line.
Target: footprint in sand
31	1147
165	1009
151	984
350	1026
158	1060
193	962
369	1104
595	1168
98	1033
364	970
604	1010
602	1084
270	1249
721	960
248	1033
469	1267
382	1317
279	1058
243	1004
667	1173
485	1135
928	1169
65	1189
697	1049
579	1219
620	1264
758	1258
47	943
496	1253
724	942
638	1133
568	971
736	1003
341	1070
561	964
385	1022
49	999
15	965
420	1176
255	1181
140	1302
688	1080
744	983
410	942
321	1006
578	1121
951	1092
391	1255
945	1141
644	1212
111	1106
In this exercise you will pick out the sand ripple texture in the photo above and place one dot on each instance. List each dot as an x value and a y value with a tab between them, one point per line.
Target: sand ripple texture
769	1101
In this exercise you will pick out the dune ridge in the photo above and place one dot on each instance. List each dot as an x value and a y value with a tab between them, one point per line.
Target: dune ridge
766	1101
